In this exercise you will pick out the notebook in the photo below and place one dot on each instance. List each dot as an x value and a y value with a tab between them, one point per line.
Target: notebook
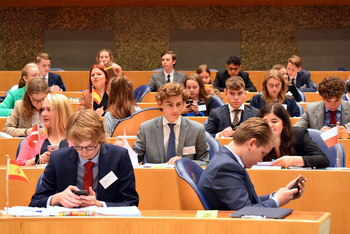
261	213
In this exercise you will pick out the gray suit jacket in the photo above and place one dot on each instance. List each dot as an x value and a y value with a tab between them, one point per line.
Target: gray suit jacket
158	80
313	116
150	141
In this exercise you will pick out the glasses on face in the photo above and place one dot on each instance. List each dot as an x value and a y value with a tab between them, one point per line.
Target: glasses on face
276	85
233	68
88	148
35	101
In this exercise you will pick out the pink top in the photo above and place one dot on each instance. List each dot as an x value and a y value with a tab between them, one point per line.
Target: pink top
28	152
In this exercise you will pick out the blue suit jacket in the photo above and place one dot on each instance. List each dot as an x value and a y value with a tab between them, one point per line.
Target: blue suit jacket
303	77
219	118
292	107
226	185
61	172
55	79
150	141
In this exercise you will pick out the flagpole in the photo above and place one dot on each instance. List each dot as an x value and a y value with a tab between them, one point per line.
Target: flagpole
39	146
92	97
7	184
337	147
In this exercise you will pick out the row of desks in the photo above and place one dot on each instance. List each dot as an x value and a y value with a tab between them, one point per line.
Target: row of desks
326	191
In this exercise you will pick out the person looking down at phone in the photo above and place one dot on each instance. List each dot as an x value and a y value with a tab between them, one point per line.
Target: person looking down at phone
204	72
294	146
101	170
56	110
223	120
225	183
331	110
200	103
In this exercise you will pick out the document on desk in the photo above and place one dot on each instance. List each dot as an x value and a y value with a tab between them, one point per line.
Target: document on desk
157	165
266	165
54	210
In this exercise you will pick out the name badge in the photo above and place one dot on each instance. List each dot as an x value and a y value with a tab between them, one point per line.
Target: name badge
189	150
108	179
202	108
347	126
285	106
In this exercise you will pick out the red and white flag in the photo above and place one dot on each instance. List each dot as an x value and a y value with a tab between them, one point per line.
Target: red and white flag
34	136
330	136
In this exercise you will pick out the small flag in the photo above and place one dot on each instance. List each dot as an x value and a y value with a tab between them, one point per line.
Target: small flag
330	136
34	136
96	96
15	172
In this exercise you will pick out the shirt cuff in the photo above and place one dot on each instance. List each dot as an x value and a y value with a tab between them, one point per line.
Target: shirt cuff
275	199
103	204
48	202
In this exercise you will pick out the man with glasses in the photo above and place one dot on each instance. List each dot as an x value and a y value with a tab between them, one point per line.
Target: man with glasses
298	77
104	170
223	120
233	68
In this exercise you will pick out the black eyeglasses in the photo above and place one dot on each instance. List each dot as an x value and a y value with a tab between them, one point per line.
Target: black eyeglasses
88	148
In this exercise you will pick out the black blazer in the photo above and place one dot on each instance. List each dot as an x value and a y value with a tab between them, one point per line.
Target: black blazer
219	118
61	172
55	79
303	78
305	147
222	76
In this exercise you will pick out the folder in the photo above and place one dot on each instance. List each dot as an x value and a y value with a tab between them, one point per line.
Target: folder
253	212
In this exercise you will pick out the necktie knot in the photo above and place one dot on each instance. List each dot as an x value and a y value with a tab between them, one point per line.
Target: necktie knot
171	126
89	165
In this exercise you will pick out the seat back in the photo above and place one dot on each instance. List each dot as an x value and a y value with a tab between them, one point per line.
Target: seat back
19	147
300	108
215	146
218	101
342	69
330	152
132	124
140	92
38	183
8	91
189	173
56	69
302	95
158	69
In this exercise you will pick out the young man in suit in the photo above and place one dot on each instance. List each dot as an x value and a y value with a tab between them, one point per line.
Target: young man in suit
299	77
168	74
233	68
225	183
222	120
82	167
332	109
54	80
168	138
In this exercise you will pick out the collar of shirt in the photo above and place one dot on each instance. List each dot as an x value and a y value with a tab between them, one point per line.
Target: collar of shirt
231	108
177	122
237	157
327	110
171	76
46	77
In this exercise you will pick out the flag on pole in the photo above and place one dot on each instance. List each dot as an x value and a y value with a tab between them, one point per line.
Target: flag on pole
34	136
96	96
15	172
330	136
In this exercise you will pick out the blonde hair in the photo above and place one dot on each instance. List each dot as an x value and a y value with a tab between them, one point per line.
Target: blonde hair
274	74
61	109
21	81
86	125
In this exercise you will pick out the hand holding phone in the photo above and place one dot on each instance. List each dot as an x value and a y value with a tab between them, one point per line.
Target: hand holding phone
51	148
297	182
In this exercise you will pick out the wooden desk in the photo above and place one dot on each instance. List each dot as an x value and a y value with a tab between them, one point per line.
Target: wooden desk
326	191
168	221
3	121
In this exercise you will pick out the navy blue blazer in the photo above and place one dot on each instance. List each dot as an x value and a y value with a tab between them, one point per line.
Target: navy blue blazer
61	172
292	107
219	118
303	77
226	185
55	79
222	76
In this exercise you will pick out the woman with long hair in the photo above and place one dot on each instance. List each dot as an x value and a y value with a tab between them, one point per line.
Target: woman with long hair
200	103
291	88
121	103
99	79
204	72
294	146
104	56
27	112
274	89
56	111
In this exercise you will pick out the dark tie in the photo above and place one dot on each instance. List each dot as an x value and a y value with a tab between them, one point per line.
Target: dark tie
171	143
168	80
88	176
235	118
293	81
333	119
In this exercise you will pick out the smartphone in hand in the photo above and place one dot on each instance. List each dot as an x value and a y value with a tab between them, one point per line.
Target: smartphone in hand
297	182
51	148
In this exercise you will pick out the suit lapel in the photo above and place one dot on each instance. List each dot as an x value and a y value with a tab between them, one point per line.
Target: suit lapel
102	168
344	112
72	167
319	114
227	117
245	114
160	140
183	134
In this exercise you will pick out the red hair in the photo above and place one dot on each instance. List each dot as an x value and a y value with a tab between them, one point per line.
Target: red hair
102	68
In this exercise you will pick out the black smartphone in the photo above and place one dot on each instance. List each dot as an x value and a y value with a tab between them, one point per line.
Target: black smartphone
234	127
81	192
189	101
332	125
297	182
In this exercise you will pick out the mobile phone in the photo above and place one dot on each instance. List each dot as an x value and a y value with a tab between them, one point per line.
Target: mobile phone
81	192
297	182
332	125
51	148
234	127
207	86
189	101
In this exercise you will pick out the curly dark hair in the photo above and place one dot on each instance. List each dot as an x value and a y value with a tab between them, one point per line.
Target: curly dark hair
331	87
